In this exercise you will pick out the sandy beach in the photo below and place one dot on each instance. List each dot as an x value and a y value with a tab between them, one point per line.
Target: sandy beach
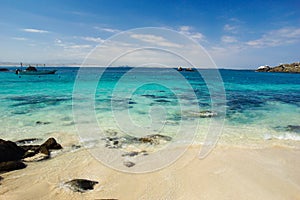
227	173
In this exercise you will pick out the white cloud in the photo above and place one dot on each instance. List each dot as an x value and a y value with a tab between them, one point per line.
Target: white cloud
278	37
93	39
156	40
110	30
188	31
19	38
230	28
184	28
31	30
77	46
228	39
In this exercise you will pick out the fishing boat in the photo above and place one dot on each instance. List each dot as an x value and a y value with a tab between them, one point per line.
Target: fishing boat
33	71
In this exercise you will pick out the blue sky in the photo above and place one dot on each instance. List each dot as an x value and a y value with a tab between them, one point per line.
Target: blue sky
237	34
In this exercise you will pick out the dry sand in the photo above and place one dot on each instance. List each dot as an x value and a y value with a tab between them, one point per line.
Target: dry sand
227	173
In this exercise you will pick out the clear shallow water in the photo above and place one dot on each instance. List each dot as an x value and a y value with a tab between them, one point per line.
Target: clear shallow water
259	106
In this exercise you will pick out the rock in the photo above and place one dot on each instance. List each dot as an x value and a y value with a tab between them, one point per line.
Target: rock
113	142
42	123
285	68
128	163
44	150
4	70
28	141
131	154
9	151
30	148
75	146
37	157
207	114
293	128
39	152
81	185
11	165
51	144
155	139
204	114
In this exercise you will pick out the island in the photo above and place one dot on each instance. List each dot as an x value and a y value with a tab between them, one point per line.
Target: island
285	68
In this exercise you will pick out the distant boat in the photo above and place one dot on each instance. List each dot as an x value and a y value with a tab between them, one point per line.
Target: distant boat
33	71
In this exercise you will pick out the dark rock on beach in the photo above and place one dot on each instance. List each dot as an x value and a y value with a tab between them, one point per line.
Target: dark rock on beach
51	144
81	185
11	165
11	154
42	152
9	151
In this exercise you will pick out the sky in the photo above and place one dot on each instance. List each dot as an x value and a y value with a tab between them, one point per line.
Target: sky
235	34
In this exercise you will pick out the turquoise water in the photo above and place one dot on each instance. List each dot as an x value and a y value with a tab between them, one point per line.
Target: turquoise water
259	106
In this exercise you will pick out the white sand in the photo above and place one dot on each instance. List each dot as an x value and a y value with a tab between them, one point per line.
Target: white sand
227	173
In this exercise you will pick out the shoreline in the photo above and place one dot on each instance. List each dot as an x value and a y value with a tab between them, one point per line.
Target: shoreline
273	173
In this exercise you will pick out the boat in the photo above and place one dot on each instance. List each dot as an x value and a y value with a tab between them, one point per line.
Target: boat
34	71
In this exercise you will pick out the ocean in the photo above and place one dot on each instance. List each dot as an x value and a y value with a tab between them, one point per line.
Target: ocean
91	103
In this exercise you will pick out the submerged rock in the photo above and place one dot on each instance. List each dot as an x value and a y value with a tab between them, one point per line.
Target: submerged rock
120	142
81	185
131	154
128	163
11	165
42	123
293	128
155	139
205	114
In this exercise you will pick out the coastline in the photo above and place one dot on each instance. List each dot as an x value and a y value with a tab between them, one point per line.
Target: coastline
227	173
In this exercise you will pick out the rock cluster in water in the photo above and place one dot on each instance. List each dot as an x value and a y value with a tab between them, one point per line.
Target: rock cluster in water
122	141
287	68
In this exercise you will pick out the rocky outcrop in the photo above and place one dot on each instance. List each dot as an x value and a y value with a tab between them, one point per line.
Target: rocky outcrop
81	185
40	152
4	70
12	155
285	68
11	165
9	151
